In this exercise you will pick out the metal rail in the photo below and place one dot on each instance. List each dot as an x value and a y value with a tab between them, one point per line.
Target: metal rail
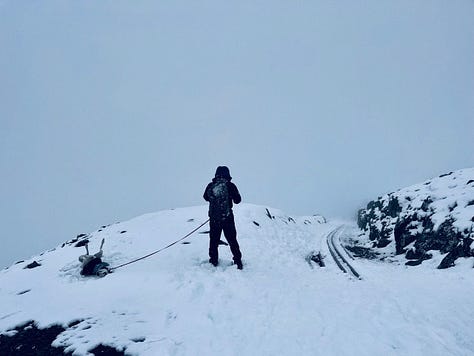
338	257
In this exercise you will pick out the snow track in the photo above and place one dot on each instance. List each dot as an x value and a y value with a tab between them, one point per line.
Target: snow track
341	261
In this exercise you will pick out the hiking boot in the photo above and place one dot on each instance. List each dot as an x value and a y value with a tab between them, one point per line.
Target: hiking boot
213	262
102	272
239	265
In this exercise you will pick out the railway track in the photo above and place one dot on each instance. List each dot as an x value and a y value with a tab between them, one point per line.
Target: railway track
341	261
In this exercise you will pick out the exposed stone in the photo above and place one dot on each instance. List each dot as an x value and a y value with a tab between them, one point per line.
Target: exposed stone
82	243
104	350
32	265
445	175
364	252
29	340
463	249
268	214
414	263
407	218
316	257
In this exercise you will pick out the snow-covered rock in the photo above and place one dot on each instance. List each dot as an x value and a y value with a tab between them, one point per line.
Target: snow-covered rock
436	215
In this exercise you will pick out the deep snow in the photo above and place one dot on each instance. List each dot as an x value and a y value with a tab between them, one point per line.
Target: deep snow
175	303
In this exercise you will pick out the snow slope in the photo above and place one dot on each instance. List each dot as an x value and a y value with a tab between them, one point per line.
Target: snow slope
175	303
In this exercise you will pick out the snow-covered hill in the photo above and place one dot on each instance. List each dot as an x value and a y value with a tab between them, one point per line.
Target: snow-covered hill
425	220
176	303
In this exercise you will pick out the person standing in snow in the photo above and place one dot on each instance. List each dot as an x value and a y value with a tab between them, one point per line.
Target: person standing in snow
220	194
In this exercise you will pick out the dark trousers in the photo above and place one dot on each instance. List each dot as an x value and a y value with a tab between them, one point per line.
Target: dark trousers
228	226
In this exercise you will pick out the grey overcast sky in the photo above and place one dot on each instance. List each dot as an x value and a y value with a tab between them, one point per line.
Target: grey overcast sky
110	109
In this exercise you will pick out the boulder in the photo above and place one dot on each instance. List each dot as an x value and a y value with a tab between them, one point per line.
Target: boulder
436	215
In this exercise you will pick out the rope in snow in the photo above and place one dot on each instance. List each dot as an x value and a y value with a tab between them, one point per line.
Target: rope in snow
161	249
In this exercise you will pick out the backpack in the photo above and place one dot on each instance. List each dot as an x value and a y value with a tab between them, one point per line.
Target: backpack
220	206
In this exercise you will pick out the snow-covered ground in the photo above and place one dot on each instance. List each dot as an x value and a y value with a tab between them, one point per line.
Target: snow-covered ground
175	303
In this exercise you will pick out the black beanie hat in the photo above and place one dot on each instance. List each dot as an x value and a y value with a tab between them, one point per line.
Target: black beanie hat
223	172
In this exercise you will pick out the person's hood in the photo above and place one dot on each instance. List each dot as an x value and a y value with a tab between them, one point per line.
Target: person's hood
223	172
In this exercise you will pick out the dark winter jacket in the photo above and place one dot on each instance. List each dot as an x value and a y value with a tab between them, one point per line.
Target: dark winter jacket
220	194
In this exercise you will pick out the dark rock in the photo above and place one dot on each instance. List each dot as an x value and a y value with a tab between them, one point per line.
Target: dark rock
32	265
29	340
381	238
470	181
268	214
426	204
463	249
414	263
315	257
362	219
70	242
443	239
383	243
453	206
394	218
75	322
82	243
256	223
363	252
402	235
104	350
413	254
123	231
24	292
393	207
445	175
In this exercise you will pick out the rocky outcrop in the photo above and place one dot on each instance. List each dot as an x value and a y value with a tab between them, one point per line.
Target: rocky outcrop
437	215
30	340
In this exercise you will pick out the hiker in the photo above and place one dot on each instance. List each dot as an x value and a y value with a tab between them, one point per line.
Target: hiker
92	265
220	194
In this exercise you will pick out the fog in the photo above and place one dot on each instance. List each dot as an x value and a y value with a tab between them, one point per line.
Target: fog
112	109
